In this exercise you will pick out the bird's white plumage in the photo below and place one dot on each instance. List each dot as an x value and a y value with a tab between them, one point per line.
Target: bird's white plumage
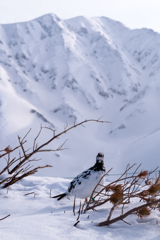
83	185
85	189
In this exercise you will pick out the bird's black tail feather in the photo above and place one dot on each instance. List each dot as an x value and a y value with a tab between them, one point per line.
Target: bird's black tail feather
60	196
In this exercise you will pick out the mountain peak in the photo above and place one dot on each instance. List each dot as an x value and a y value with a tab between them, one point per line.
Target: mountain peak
81	68
48	18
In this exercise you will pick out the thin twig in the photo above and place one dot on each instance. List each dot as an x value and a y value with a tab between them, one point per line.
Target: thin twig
5	217
37	137
20	167
133	210
79	212
74	205
126	222
76	223
28	193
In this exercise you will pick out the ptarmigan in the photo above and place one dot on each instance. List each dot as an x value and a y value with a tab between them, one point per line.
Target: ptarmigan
83	185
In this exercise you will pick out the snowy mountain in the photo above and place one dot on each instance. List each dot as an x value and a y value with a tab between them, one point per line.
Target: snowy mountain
54	70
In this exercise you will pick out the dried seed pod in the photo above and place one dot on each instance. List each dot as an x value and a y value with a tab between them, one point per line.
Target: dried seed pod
143	174
154	189
8	149
143	213
116	197
116	188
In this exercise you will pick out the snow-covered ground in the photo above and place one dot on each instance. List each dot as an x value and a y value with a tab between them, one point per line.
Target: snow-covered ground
38	217
53	71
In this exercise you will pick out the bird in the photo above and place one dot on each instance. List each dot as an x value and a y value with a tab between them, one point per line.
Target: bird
83	184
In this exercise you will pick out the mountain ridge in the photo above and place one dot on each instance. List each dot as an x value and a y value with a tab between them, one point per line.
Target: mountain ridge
54	70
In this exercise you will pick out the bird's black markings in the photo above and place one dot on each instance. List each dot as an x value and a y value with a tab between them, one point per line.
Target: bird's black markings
77	179
99	166
72	185
86	173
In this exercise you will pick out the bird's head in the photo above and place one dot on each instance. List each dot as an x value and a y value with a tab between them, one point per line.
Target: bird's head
100	158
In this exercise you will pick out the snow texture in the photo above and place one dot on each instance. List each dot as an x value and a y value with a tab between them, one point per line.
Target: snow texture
38	217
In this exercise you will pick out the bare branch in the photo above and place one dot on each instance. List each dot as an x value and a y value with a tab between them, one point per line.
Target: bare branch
79	212
19	167
74	204
28	193
26	134
5	217
133	210
121	191
21	144
76	223
11	150
37	137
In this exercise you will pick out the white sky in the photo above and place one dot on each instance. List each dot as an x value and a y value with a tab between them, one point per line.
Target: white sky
133	13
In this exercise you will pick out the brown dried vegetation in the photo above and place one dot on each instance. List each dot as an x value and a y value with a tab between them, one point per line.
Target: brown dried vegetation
121	192
143	174
19	165
154	189
19	159
117	197
144	212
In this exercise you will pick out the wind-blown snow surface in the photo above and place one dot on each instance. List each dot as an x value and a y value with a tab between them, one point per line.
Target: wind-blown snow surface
54	70
42	217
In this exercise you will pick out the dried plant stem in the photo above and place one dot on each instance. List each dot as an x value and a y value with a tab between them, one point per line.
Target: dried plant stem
74	205
133	210
20	167
5	217
28	193
121	192
79	211
76	223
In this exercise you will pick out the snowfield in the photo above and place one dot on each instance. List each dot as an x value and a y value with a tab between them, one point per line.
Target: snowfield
38	217
53	71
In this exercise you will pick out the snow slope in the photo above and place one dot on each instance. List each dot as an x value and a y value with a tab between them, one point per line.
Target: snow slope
42	217
54	70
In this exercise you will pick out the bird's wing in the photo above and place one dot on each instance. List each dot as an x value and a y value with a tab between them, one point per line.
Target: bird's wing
79	181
